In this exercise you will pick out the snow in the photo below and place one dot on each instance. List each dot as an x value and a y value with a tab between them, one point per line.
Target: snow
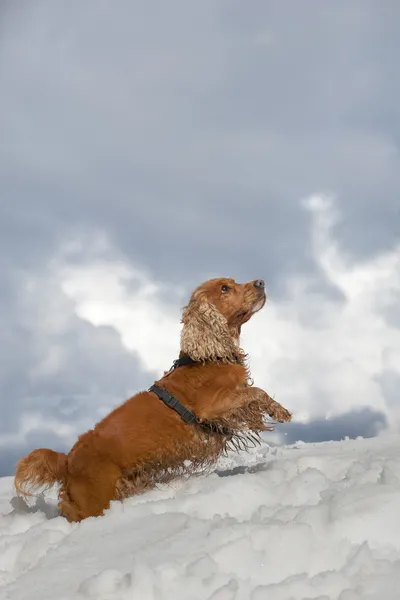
307	521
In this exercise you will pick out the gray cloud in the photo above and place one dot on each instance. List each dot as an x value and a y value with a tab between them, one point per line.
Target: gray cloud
58	371
188	132
366	423
214	117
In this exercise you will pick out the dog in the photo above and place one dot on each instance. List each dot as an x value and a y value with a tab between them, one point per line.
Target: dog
202	407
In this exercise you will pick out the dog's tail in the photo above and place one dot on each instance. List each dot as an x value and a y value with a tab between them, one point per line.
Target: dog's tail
40	469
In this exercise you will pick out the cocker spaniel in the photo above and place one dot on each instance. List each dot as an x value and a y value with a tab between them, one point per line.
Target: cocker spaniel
202	407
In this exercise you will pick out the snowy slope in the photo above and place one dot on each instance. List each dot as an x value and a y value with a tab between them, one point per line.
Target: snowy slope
315	521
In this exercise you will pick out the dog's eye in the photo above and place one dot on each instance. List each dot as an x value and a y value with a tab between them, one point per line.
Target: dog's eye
225	288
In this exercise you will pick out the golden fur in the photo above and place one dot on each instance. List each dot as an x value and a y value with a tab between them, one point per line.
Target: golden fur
143	442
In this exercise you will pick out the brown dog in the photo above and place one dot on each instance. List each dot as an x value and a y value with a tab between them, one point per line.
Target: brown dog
144	441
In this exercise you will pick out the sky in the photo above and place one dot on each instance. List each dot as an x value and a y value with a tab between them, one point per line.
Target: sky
147	146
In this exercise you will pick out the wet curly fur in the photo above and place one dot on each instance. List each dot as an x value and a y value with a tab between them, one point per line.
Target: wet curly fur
143	443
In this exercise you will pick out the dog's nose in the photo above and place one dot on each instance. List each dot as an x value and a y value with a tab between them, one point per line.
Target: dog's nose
259	283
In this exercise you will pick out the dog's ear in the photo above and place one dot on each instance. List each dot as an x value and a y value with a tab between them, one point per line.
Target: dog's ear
205	334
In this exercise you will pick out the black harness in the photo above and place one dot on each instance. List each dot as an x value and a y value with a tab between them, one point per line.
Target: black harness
169	400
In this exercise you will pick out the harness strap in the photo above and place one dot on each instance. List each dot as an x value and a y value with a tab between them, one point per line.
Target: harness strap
185	414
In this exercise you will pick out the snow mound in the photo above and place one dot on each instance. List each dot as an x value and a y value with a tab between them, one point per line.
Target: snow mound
301	522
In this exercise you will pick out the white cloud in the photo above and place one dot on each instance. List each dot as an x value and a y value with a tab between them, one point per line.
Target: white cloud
330	368
318	356
110	292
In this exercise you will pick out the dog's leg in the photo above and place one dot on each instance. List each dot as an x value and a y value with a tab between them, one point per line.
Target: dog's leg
90	493
67	508
230	401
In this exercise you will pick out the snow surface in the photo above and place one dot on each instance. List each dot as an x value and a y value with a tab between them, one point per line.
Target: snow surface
307	521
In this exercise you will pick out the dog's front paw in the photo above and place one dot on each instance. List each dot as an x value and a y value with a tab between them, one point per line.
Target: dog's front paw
277	412
282	415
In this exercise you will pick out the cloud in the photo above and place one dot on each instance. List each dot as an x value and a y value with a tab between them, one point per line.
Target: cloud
144	312
363	422
178	133
323	355
59	374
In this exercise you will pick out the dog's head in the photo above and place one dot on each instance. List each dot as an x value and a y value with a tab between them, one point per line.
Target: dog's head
213	318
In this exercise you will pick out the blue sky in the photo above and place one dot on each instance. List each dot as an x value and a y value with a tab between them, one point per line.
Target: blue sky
146	146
